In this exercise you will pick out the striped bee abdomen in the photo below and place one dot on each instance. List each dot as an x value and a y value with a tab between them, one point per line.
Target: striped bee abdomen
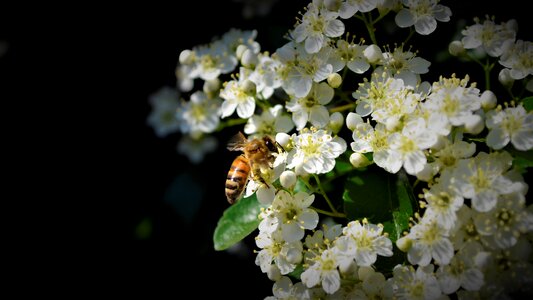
237	178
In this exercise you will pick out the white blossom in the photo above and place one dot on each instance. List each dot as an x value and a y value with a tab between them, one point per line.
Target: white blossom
238	95
315	152
317	25
482	179
323	271
512	124
423	14
349	8
311	108
162	117
294	214
199	115
270	122
518	58
489	36
411	284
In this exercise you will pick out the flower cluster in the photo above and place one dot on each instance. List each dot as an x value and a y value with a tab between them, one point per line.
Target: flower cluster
343	111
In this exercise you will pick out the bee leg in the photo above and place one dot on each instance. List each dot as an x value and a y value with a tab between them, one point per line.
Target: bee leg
260	179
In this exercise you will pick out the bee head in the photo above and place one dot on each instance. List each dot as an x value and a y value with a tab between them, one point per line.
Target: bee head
271	144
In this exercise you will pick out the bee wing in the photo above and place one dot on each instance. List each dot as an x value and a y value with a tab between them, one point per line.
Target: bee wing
237	142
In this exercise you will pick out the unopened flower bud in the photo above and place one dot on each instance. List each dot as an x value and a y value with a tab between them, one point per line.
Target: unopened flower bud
349	269
474	124
211	86
266	195
249	58
512	25
456	48
283	139
373	53
392	123
505	78
332	5
488	100
404	243
186	57
358	160
273	272
372	284
294	256
352	119
364	272
335	122
334	80
240	50
249	87
287	179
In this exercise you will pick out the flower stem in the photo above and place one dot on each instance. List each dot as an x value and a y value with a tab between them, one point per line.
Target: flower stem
323	193
328	213
487	68
370	28
349	106
231	122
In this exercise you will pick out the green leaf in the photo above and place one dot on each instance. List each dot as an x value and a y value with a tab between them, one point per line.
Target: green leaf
237	222
528	103
297	272
343	166
521	159
380	197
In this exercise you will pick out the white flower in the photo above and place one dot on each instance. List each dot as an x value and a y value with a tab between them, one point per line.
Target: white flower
446	156
294	214
275	249
236	37
464	230
209	61
374	285
320	240
351	55
489	36
482	179
302	69
199	115
409	284
349	8
512	124
423	14
462	271
369	242
375	94
429	241
324	271
518	57
310	108
265	75
270	122
317	24
407	147
238	94
404	65
506	221
283	288
443	202
162	117
196	149
453	102
315	152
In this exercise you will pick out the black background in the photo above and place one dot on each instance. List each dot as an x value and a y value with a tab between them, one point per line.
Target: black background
91	68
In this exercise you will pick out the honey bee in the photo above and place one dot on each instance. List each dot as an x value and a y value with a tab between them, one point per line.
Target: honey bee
257	155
